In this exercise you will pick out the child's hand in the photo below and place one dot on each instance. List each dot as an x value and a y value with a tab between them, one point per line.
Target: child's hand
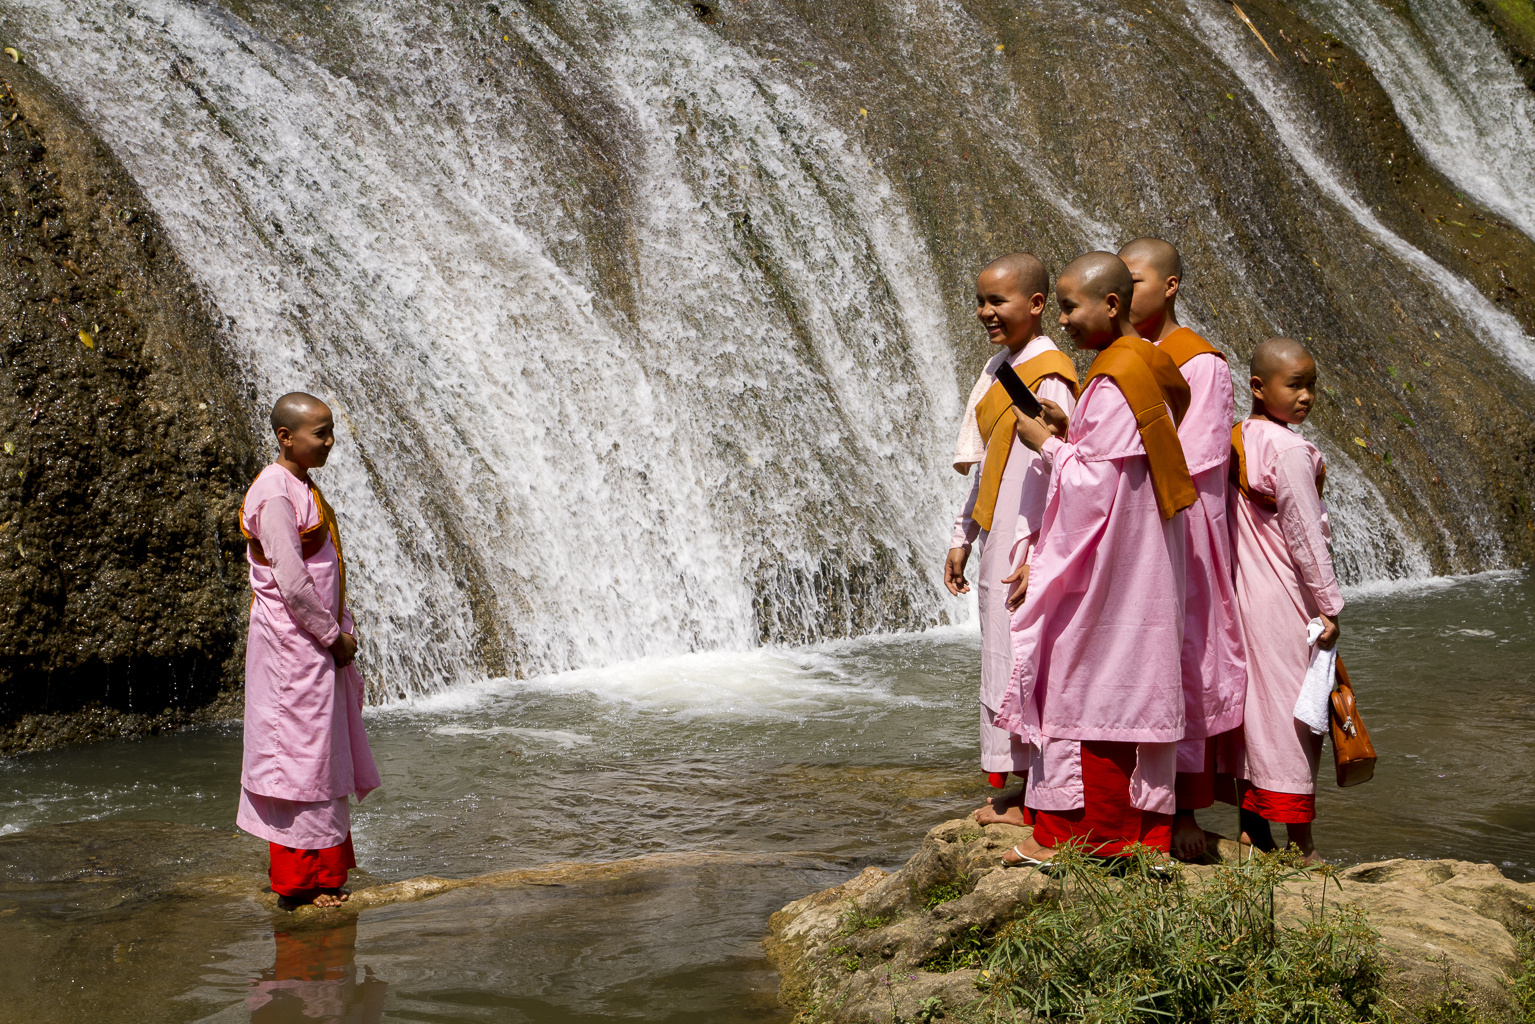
1019	577
1031	431
1055	417
345	649
1328	638
954	571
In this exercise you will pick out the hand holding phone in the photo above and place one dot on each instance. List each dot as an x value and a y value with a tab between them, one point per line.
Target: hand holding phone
1017	390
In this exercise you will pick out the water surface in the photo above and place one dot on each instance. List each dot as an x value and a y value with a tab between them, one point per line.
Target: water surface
821	759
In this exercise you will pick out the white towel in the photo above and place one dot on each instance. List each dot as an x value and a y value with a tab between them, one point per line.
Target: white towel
970	448
1314	704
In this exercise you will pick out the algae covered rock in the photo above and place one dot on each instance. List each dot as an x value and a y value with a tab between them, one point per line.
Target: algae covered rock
124	450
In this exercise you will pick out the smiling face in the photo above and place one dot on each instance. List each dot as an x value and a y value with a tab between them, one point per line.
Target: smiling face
306	441
1009	316
1090	320
1288	390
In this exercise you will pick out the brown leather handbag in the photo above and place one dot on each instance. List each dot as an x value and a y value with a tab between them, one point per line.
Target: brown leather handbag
1351	747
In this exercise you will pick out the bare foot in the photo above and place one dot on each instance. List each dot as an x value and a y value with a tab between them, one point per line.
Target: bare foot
323	898
1011	811
1313	860
332	897
1029	848
1189	842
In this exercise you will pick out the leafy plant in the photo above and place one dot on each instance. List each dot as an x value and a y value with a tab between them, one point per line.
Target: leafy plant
944	892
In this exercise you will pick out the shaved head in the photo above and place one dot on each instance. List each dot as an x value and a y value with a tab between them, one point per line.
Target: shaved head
295	409
1155	253
1275	355
1098	275
1025	270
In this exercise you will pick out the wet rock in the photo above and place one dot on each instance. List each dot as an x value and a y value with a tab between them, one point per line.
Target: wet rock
125	449
873	947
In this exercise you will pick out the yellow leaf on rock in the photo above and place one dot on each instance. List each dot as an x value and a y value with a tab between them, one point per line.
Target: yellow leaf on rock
10	51
1361	442
1000	47
87	340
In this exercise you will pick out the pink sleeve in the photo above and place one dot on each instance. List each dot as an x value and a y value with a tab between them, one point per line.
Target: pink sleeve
284	552
966	529
1300	520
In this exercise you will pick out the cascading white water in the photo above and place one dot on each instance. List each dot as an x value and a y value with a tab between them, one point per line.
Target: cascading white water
636	350
620	474
1453	89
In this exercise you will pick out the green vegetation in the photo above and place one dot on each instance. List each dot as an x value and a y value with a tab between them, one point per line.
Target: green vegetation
1523	983
945	892
854	921
1131	942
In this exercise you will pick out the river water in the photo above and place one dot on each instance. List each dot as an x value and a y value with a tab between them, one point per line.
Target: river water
827	758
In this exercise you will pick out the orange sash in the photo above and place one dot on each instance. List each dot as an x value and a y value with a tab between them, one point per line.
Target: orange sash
994	415
310	540
1239	473
1183	345
1150	382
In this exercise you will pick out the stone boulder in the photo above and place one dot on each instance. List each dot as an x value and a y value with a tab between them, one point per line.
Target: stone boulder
871	949
125	448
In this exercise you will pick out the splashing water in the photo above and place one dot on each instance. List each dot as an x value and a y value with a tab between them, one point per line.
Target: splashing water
636	349
556	463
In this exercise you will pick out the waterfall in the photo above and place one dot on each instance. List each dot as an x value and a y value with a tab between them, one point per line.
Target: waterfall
1453	89
731	423
640	337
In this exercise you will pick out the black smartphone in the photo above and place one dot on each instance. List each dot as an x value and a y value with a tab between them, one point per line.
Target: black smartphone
1017	390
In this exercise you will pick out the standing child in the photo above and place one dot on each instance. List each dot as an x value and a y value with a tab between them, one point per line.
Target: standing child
305	749
1214	665
1284	580
1007	495
1096	683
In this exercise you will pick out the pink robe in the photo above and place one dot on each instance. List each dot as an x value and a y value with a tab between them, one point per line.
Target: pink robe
305	748
1214	662
1284	579
1020	508
1097	641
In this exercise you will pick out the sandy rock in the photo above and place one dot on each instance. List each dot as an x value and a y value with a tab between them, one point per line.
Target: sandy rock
866	950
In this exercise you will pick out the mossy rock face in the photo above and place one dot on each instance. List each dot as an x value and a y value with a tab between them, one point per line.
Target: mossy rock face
124	450
1449	930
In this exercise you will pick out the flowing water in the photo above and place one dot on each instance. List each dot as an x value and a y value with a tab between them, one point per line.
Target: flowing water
815	760
646	321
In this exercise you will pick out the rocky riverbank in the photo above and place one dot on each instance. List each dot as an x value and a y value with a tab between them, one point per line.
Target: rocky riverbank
880	946
125	448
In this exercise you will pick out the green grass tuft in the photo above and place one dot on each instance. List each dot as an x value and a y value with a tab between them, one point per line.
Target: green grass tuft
1122	943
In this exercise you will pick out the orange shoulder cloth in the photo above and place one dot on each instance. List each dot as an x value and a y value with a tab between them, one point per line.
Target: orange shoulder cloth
310	540
994	415
1239	473
1151	383
1183	345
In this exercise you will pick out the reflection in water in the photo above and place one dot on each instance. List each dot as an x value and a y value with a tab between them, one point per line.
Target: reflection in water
313	977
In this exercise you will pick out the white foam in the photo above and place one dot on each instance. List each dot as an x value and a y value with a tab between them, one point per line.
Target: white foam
1425	585
558	737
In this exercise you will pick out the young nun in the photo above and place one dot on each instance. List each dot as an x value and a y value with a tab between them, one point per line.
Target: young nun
305	749
1097	686
1007	494
1214	663
1284	580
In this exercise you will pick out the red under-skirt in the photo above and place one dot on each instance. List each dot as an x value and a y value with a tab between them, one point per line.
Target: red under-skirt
1106	821
1284	808
299	871
1198	790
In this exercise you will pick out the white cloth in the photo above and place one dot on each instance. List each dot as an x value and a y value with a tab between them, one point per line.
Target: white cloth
1314	703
